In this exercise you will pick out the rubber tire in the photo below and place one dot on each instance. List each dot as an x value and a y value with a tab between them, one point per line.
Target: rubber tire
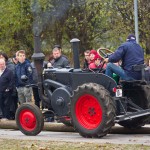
38	116
142	102
106	103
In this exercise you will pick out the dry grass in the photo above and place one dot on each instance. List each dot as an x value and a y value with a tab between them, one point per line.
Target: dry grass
49	145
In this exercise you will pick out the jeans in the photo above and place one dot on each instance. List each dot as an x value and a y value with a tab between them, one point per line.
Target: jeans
24	94
112	68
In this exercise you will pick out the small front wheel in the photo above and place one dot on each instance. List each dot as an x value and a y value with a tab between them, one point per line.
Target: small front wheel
29	119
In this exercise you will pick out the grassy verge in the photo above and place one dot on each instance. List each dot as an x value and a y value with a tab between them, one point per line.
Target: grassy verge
49	145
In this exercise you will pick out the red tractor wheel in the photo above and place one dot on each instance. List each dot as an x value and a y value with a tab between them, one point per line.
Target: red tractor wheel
29	119
92	110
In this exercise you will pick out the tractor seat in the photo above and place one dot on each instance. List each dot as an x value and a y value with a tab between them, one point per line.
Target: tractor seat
141	82
141	68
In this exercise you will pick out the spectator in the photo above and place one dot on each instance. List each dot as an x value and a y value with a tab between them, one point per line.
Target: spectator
6	86
86	59
96	63
23	68
131	54
59	60
14	97
10	65
93	53
15	60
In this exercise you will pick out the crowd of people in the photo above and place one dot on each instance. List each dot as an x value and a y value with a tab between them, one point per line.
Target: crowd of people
14	91
92	60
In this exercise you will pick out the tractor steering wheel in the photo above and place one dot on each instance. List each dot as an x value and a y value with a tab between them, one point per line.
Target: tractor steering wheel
104	52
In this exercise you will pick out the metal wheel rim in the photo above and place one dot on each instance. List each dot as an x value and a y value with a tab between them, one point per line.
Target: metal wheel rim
88	111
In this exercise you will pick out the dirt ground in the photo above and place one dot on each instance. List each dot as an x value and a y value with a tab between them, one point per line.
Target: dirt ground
6	144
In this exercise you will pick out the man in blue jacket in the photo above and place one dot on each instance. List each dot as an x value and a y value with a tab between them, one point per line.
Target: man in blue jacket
23	68
130	53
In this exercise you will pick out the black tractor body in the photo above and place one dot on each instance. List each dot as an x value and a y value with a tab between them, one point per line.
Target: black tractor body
90	101
60	84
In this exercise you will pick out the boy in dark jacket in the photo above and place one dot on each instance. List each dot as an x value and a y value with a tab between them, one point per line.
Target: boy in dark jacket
23	68
130	53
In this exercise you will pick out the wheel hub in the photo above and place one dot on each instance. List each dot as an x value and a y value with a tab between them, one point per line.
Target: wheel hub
60	100
91	111
27	120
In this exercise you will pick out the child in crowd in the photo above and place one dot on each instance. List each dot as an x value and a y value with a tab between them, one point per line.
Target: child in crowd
92	55
96	62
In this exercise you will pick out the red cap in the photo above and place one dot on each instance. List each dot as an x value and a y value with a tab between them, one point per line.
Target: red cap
97	57
93	52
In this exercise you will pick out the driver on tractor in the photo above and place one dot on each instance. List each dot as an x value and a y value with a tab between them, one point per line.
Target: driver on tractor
130	53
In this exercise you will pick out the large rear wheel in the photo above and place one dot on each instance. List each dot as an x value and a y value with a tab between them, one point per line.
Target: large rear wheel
29	119
92	110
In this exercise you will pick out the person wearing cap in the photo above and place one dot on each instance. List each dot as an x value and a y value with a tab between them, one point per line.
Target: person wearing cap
59	60
130	53
92	55
96	62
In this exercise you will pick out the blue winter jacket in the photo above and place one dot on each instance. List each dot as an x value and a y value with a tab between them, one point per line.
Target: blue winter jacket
131	54
23	69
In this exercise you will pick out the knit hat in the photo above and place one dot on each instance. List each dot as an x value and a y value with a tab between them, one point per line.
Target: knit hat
97	57
131	37
93	52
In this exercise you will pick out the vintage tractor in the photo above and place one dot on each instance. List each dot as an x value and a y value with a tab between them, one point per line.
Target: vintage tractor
88	100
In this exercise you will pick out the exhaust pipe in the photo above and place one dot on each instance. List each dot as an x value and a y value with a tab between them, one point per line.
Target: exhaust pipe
38	58
75	47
